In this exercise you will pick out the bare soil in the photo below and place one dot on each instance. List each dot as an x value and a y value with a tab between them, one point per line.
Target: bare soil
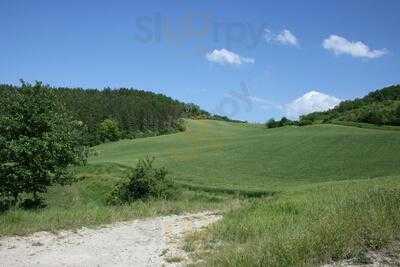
145	242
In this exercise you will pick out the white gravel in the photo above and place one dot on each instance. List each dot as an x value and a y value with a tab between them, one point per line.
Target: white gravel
145	242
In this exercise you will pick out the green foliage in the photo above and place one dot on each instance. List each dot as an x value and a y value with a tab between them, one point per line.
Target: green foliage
271	123
380	107
223	118
397	116
181	125
193	111
144	182
108	130
38	142
138	113
304	121
283	122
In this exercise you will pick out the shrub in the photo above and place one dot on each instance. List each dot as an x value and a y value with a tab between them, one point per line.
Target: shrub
108	131
271	124
304	121
38	142
283	122
396	116
144	182
181	124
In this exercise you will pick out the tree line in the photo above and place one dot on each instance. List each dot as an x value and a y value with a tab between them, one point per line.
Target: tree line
112	114
380	107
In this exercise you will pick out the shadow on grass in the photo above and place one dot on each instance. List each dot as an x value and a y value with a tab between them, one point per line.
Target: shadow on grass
230	191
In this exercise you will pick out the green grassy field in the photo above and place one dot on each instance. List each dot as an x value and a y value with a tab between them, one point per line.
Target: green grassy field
310	226
327	189
214	153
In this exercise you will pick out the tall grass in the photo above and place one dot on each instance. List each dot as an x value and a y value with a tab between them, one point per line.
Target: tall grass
84	203
319	225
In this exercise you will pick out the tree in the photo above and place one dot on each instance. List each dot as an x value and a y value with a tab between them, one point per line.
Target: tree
378	107
397	114
305	120
271	123
373	116
136	111
285	121
143	182
38	142
282	122
192	110
109	130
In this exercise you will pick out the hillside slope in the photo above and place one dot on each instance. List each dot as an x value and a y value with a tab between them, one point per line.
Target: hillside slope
324	207
215	153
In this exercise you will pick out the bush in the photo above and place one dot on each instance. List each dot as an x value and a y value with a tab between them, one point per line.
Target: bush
144	182
38	142
396	119
181	124
271	124
304	121
283	122
108	131
5	203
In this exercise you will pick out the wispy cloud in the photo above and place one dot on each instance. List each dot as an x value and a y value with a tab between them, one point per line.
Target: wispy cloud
226	57
287	38
284	37
310	102
340	45
264	103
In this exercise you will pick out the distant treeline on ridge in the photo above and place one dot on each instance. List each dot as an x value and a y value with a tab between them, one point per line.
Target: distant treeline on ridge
380	107
111	114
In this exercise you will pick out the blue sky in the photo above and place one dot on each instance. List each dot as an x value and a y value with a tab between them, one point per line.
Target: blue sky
248	60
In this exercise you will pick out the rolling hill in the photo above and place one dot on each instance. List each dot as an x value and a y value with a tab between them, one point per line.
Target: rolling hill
324	192
215	153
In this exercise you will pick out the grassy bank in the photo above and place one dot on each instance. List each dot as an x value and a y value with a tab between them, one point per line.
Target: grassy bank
313	225
84	204
367	125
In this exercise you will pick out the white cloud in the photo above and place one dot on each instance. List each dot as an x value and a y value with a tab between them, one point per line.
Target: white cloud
224	57
310	102
285	37
340	45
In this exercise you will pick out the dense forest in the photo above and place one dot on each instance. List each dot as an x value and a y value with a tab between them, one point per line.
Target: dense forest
381	107
112	114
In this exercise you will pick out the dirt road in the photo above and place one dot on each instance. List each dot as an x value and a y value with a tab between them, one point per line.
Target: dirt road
145	242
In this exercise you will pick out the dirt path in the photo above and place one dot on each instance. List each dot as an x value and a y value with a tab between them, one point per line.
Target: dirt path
147	242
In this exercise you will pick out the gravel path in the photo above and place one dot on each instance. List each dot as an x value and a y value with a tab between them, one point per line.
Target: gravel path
147	242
